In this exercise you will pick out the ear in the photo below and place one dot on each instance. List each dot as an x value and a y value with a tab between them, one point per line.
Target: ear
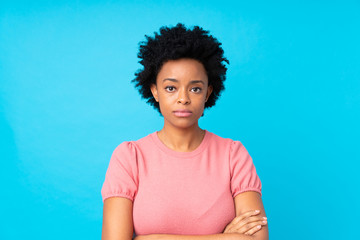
209	91
154	92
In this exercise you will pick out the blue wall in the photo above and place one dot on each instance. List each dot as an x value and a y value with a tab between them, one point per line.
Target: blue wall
292	98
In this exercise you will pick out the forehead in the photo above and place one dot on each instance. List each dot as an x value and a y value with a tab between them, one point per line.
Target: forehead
182	70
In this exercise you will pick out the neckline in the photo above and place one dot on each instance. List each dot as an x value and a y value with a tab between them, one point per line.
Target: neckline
174	153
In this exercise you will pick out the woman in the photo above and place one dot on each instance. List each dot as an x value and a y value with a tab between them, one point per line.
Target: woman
182	182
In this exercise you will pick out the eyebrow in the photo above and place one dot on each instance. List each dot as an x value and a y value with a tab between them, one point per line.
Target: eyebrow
175	80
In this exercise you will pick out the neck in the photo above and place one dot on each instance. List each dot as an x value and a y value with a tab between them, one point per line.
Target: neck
181	139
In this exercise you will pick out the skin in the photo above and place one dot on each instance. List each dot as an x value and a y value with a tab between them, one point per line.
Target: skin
183	84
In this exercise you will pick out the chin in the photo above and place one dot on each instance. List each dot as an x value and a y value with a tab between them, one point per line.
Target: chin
185	124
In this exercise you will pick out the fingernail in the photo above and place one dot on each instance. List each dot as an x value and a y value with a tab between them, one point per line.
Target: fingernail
257	211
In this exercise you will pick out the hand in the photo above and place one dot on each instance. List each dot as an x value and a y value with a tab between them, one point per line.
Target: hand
246	223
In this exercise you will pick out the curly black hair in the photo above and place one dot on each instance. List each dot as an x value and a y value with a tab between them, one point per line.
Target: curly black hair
176	43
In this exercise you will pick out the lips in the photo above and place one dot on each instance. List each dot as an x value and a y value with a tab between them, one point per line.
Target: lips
183	110
182	113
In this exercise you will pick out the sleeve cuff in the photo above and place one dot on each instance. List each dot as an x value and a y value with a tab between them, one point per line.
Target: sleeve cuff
119	194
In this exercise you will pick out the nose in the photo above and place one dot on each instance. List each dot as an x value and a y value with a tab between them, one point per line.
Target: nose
183	97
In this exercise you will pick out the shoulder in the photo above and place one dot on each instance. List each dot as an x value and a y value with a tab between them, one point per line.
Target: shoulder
218	140
126	146
134	145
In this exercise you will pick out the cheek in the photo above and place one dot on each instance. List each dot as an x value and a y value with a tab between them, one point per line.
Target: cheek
166	101
167	98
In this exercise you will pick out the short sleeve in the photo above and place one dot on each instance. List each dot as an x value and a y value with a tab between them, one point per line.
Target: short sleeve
243	173
121	179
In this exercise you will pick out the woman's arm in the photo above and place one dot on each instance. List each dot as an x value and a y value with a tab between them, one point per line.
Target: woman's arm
117	219
219	236
244	202
251	200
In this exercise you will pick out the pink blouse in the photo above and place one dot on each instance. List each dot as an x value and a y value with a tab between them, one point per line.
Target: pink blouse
180	192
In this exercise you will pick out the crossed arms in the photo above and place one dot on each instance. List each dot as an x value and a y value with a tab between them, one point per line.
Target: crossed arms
118	221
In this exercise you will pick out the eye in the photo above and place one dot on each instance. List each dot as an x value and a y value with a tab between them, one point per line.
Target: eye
196	89
170	88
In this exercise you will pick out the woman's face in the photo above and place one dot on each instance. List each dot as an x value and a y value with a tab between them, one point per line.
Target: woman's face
181	90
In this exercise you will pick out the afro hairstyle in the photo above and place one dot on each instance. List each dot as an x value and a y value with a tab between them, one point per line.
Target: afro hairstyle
175	43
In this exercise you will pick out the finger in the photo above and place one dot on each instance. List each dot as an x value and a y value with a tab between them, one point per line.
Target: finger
254	219
247	227
243	228
245	215
229	228
237	219
254	230
249	222
241	220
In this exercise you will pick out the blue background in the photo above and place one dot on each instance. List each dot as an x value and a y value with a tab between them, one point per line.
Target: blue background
292	98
